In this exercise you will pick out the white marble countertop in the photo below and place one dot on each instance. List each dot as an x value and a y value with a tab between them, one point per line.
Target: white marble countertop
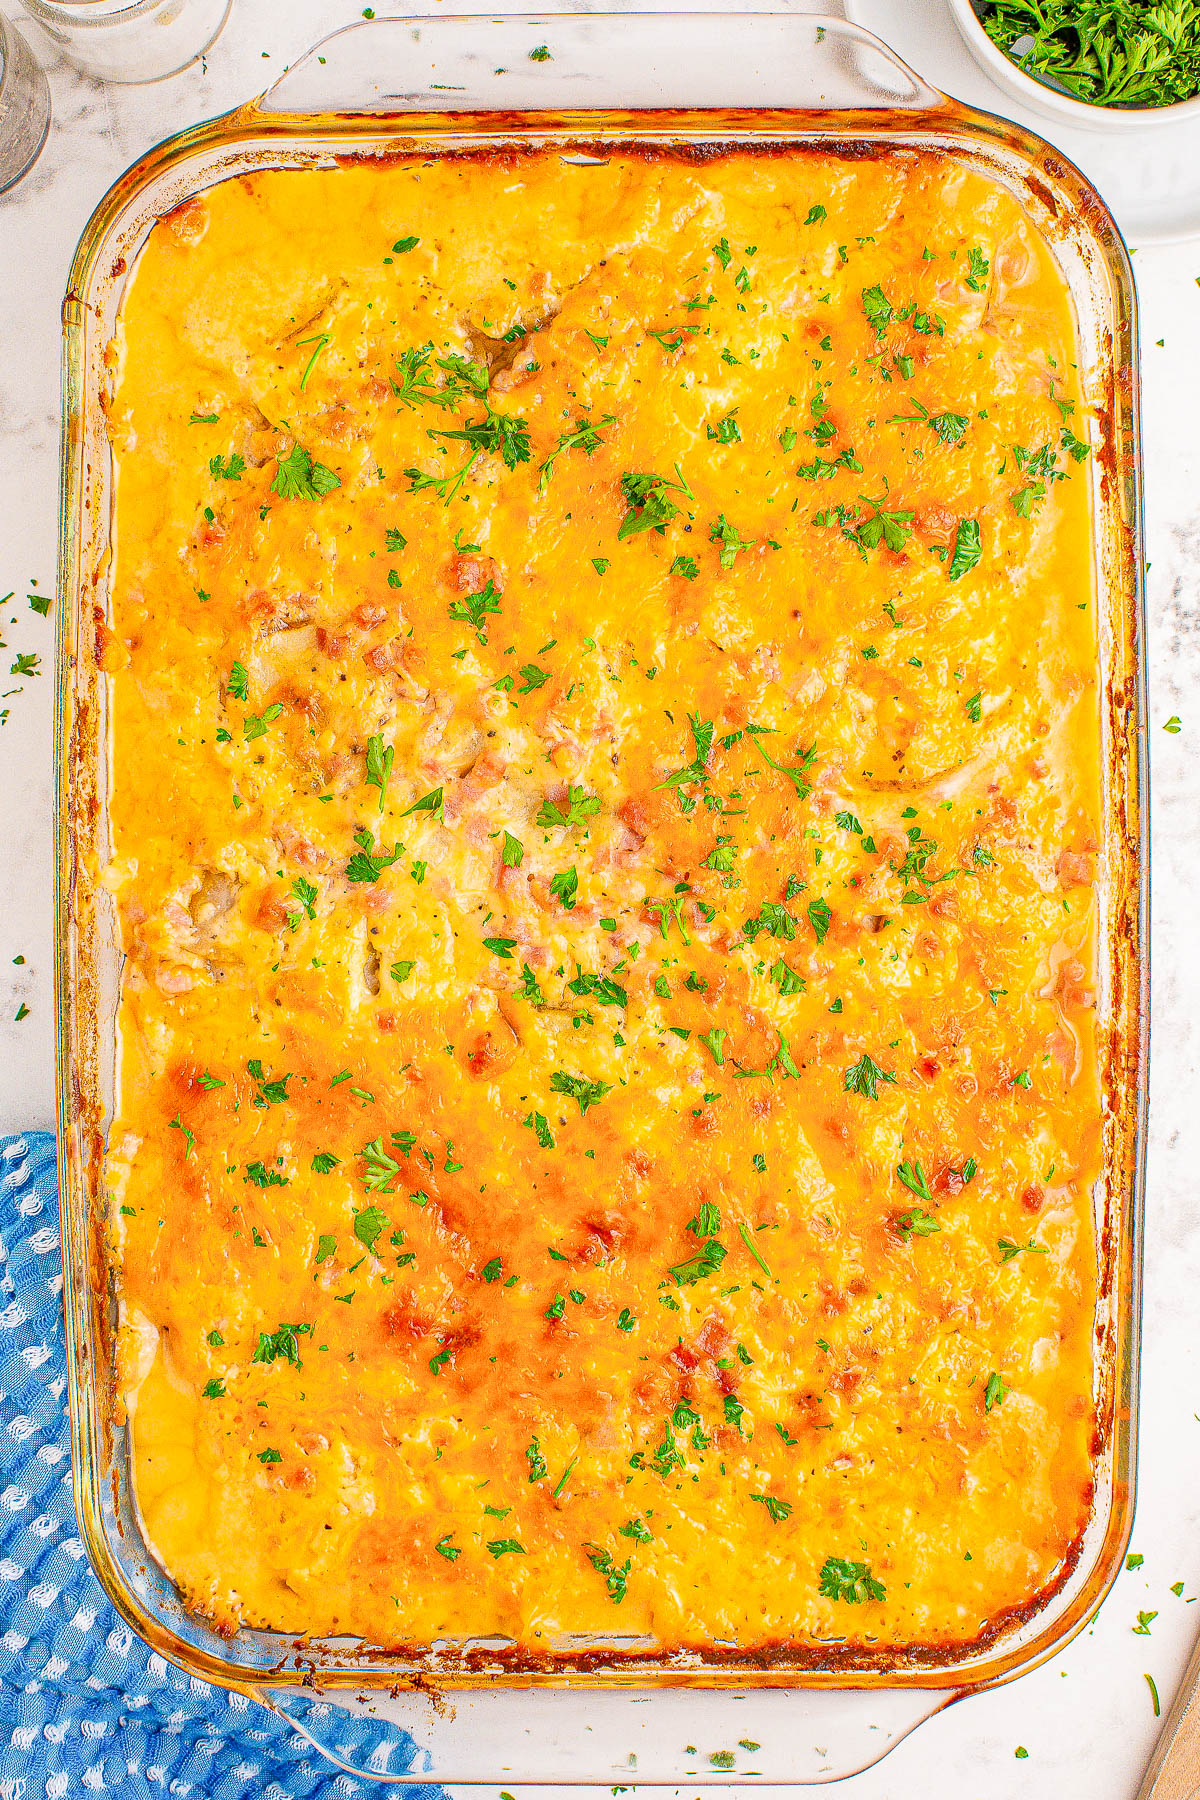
1085	1719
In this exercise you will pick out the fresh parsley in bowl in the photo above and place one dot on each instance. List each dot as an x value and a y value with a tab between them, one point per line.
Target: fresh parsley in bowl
1104	52
1103	64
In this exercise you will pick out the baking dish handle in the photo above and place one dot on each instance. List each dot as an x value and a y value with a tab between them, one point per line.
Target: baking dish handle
810	56
418	1739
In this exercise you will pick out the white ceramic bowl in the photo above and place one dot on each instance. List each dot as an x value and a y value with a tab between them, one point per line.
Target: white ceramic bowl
1047	100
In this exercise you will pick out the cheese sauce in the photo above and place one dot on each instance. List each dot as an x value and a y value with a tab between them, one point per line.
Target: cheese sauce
605	796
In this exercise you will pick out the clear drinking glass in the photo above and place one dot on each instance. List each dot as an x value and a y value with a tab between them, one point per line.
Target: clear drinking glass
130	40
24	106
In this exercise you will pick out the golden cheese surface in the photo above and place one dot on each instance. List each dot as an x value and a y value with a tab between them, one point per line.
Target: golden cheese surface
605	792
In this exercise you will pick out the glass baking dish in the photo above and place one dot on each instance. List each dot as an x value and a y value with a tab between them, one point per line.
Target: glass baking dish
433	85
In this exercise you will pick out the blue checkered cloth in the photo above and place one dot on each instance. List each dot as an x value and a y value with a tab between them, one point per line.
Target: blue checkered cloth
85	1707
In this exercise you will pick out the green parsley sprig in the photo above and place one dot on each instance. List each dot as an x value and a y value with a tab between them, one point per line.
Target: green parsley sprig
1105	52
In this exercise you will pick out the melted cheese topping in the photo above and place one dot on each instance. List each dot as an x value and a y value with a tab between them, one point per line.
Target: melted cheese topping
606	771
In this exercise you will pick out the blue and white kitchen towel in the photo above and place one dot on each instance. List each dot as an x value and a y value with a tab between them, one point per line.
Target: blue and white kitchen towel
85	1707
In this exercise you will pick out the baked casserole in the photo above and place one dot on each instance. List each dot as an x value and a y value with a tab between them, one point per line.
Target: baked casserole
605	797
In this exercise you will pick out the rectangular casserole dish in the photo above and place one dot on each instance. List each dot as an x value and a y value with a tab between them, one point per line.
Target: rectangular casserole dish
642	80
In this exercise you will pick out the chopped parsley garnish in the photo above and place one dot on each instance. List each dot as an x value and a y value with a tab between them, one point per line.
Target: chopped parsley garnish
948	426
261	1176
529	989
747	1239
280	1346
616	1576
697	769
584	435
994	1393
913	1177
890	528
878	309
255	726
797	773
786	979
298	477
368	1224
1008	1249
730	540
648	502
540	1127
379	765
726	430
977	270
777	1509
850	1581
967	550
772	918
382	1168
823	468
189	1137
864	1076
418	386
367	863
473	609
707	1261
431	803
565	887
305	892
916	1223
600	987
587	1093
496	434
231	470
578	807
536	1461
